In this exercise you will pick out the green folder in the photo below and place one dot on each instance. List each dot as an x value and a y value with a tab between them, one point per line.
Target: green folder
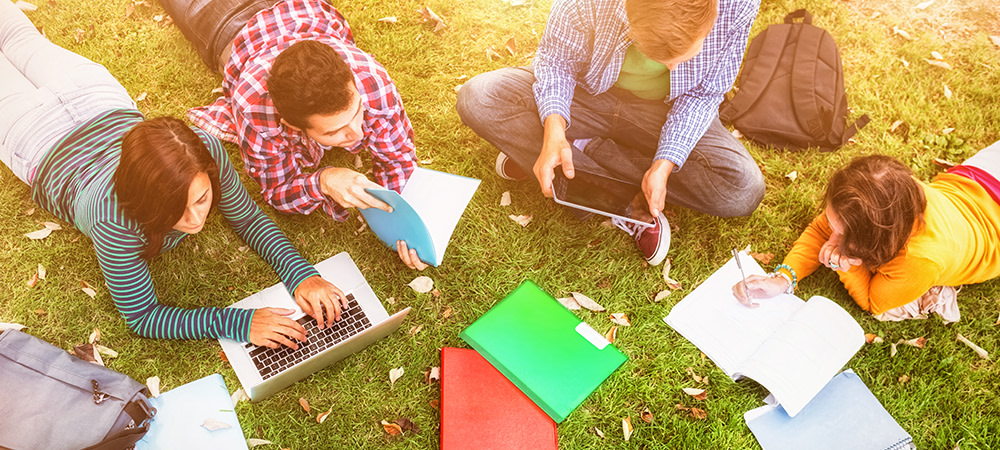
556	359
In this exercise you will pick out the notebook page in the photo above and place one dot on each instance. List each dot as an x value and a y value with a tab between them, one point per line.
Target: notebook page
721	327
440	199
805	353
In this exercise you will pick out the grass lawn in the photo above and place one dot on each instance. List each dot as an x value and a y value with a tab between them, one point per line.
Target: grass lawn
949	400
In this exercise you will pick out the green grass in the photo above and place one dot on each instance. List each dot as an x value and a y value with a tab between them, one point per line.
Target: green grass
951	397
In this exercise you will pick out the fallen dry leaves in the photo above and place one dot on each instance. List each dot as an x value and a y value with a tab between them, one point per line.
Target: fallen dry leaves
904	378
671	283
872	338
389	19
521	219
792	175
88	289
305	404
627	427
427	15
239	395
612	334
49	227
697	413
254	442
598	432
696	393
323	415
620	319
696	377
646	415
505	199
661	295
153	384
422	284
394	375
979	351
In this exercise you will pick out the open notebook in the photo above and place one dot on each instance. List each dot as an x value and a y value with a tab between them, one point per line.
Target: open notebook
792	348
425	214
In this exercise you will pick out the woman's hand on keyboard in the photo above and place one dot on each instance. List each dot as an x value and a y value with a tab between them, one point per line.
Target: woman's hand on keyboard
315	294
270	328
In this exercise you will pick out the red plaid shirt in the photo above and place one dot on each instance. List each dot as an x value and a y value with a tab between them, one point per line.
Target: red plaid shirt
286	162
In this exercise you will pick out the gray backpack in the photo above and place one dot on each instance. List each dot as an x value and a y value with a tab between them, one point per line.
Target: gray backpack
50	399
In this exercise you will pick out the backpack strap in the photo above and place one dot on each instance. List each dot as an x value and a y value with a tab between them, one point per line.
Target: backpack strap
855	127
799	14
752	84
814	117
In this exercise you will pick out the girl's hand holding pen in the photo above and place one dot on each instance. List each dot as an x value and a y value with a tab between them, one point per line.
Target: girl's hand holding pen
760	287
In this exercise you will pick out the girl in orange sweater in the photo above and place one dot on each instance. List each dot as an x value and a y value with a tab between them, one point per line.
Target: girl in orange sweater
900	246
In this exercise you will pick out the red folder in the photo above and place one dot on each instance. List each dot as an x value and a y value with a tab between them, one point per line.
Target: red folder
482	410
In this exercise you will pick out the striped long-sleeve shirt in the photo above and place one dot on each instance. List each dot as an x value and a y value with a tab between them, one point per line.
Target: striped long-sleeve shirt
75	182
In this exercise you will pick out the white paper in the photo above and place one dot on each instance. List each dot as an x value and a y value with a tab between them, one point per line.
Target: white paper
439	199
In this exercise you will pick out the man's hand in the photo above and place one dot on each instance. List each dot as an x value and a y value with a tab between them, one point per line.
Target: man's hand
654	185
556	151
347	188
314	294
269	328
409	256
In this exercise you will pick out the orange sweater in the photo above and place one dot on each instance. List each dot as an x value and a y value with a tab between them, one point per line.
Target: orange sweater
959	244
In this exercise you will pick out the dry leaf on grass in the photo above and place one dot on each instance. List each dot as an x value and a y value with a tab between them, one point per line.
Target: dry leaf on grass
10	326
924	5
792	175
436	404
323	415
446	313
569	303
358	163
893	350
915	342
153	384
305	404
212	425
764	258
979	351
696	377
699	413
511	46
902	33
620	319
872	338
254	442
586	302
737	134
88	352
95	336
505	199
521	219
392	428
904	378
422	284
88	289
671	283
105	351
697	394
429	15
457	88
492	55
239	395
947	92
904	62
995	40
79	35
390	19
40	234
661	295
394	375
612	334
141	97
598	432
627	427
937	63
432	375
407	425
646	416
416	329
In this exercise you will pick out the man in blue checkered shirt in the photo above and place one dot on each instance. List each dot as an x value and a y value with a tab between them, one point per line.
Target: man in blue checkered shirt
628	89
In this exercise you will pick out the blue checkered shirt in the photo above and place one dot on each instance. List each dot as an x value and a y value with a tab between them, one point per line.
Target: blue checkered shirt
585	43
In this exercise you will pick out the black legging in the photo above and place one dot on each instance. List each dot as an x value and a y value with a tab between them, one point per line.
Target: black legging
211	25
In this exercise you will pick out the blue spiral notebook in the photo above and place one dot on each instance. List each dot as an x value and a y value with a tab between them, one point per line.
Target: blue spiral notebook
843	415
424	214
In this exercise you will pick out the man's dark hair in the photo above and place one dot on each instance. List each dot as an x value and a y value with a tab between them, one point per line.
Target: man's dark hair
306	79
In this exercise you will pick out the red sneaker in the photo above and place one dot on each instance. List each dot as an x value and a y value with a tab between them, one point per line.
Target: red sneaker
653	241
508	169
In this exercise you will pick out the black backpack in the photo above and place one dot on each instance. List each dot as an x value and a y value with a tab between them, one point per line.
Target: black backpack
791	90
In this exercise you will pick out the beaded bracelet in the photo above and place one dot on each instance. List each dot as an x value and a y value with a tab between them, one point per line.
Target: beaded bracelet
792	282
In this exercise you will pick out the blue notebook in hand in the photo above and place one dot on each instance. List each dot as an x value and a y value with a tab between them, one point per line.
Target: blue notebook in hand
844	414
425	213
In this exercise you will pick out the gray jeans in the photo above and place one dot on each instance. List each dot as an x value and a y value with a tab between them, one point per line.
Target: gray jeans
719	177
46	91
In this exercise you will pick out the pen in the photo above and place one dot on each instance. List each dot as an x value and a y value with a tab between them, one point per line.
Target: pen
736	256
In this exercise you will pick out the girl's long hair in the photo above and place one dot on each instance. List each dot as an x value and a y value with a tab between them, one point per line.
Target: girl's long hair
160	157
880	204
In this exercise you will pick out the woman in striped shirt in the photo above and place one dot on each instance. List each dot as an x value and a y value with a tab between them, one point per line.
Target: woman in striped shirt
136	188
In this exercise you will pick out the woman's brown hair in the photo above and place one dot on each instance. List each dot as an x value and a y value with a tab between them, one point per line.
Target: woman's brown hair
879	203
160	158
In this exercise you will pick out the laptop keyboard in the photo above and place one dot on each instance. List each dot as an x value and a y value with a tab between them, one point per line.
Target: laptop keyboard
272	361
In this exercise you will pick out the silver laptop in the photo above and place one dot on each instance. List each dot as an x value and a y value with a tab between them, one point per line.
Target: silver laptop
263	371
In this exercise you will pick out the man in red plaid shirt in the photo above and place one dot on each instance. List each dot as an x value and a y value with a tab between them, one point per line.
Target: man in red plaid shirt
294	86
